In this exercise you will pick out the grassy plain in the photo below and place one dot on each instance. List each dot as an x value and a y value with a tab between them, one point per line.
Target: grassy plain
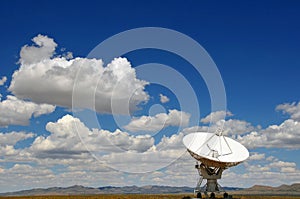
138	196
268	197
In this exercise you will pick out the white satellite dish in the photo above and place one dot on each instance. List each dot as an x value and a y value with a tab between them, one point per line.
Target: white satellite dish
215	153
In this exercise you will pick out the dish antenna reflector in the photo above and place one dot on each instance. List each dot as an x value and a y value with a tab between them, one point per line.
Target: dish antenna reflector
215	153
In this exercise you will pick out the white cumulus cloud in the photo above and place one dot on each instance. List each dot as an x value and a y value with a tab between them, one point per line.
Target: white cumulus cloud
163	98
257	156
234	127
77	82
285	135
70	138
215	117
18	112
44	48
63	149
12	138
159	121
8	141
280	164
3	80
216	121
70	142
293	109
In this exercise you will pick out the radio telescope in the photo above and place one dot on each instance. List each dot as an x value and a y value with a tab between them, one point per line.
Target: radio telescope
215	153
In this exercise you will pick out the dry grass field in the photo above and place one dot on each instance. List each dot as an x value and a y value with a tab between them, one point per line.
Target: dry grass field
268	197
139	196
114	196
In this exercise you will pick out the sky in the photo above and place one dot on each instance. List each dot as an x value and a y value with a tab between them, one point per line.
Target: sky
101	93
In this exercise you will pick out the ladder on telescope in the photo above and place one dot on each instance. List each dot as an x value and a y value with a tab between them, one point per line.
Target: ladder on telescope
198	186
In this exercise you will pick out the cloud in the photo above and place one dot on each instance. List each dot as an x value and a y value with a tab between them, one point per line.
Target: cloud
280	164
22	176
70	138
163	98
285	135
257	156
172	142
159	121
68	55
44	48
18	112
65	161
293	109
234	127
181	172
275	166
3	80
230	127
260	169
13	137
215	117
77	82
7	145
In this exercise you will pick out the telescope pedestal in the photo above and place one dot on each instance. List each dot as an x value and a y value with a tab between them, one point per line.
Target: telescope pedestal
211	175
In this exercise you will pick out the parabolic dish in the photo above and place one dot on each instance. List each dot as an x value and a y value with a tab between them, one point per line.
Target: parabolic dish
215	150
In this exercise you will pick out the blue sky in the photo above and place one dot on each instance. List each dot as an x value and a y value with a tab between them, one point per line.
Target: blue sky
255	46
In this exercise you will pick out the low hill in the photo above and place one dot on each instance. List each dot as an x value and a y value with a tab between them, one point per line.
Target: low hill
81	190
293	189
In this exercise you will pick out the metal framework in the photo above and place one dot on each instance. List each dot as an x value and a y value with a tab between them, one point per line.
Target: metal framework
211	175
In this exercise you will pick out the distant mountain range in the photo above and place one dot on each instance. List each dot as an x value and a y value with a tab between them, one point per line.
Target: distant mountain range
293	189
81	190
